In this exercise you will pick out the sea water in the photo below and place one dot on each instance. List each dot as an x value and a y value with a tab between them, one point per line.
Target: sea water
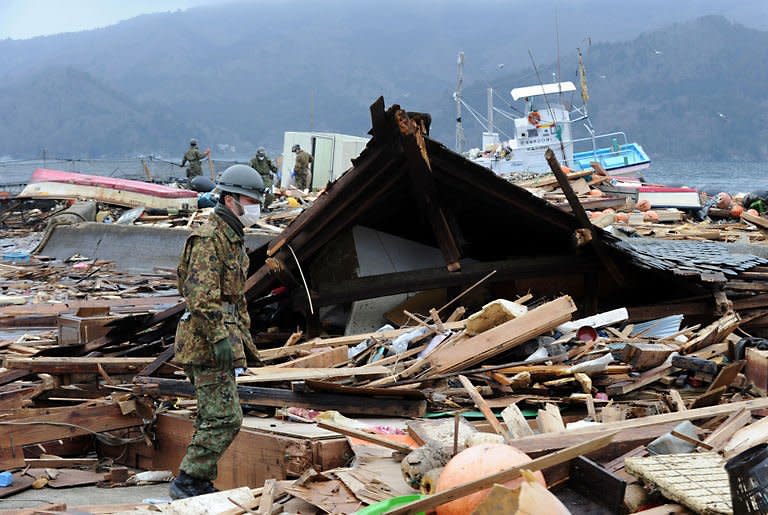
710	177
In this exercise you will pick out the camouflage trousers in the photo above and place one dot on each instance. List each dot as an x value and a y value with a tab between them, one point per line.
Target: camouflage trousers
218	421
302	179
194	171
269	197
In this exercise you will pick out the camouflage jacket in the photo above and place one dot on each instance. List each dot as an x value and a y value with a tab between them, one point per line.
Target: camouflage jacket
193	156
265	167
211	274
303	158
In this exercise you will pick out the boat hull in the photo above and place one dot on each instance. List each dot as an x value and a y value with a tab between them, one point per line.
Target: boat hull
55	184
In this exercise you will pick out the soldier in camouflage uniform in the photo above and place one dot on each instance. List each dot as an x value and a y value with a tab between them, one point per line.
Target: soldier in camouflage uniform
193	156
214	332
301	168
267	169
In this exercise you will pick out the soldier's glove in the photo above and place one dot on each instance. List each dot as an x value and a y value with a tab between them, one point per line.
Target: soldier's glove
223	355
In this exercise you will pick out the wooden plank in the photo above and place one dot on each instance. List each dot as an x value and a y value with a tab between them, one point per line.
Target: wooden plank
66	424
55	463
503	476
715	332
646	378
502	337
276	374
11	457
325	358
727	375
515	421
484	409
708	398
756	220
279	398
549	419
70	365
543	442
722	435
368	437
267	497
161	360
281	352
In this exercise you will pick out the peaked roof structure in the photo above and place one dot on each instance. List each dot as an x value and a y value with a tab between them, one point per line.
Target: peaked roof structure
410	186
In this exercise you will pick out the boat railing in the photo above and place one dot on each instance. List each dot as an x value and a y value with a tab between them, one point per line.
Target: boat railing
603	136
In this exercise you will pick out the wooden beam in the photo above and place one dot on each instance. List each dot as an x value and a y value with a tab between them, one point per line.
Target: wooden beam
544	442
484	409
424	190
275	374
581	216
502	337
414	280
279	398
69	365
368	437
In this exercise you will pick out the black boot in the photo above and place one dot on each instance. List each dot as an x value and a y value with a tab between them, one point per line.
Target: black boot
185	486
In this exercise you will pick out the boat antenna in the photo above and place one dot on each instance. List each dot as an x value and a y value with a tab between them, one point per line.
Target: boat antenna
457	99
549	106
557	44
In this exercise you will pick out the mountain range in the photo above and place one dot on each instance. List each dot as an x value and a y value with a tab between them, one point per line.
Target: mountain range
685	87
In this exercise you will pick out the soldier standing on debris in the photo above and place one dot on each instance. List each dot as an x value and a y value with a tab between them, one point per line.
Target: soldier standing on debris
301	172
193	156
214	332
266	168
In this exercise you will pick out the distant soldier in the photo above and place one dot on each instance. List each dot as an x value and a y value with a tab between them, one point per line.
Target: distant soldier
301	173
213	334
267	169
193	156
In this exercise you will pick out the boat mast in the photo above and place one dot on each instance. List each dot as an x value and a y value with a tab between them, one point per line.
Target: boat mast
457	99
490	110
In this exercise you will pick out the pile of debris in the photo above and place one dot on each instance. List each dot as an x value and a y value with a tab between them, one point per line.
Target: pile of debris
513	323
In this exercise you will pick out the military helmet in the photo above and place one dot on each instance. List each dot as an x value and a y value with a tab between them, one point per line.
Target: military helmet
261	151
193	142
241	180
296	148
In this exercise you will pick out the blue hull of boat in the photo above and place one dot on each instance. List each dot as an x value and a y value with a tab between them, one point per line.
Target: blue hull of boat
628	159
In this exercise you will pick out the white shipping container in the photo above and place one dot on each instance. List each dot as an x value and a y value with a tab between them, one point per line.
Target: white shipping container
332	154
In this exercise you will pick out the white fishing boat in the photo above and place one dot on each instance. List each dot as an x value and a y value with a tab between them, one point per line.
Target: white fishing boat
547	122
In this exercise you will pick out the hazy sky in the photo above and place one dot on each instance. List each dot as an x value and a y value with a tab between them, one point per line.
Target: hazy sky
22	19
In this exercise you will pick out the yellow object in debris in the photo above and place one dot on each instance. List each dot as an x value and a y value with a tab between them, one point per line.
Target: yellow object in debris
292	202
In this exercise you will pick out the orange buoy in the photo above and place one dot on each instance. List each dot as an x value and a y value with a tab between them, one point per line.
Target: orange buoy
622	217
753	212
596	193
475	462
651	216
723	200
643	205
737	210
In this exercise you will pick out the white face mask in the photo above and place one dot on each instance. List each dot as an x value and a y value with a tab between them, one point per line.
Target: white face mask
251	214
